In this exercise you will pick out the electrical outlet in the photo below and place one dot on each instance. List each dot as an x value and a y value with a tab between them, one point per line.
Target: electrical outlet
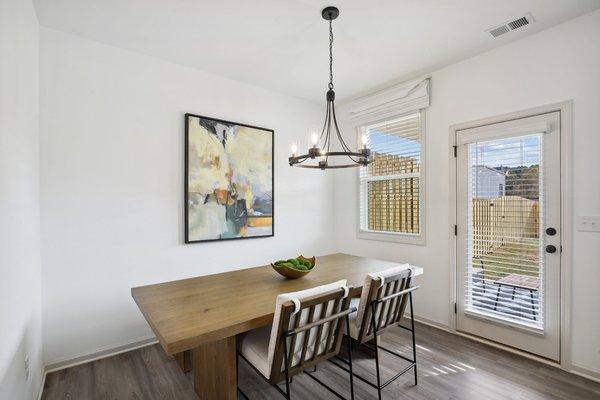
588	223
26	368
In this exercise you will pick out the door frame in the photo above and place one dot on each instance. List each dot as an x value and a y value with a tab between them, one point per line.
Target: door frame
565	109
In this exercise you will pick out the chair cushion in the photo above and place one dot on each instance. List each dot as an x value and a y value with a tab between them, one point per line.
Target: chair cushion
258	345
254	346
296	297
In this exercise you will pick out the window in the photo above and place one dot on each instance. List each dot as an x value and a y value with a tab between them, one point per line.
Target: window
391	187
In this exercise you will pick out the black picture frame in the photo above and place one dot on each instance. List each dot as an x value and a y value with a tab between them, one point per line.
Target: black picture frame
187	117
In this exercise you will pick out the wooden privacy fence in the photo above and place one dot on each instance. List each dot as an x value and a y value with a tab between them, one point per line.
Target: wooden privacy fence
393	202
502	220
394	205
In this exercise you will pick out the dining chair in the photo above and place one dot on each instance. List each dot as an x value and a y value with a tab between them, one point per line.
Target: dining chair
307	329
381	306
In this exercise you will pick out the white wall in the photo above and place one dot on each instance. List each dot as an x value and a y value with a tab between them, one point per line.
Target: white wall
20	275
555	65
112	186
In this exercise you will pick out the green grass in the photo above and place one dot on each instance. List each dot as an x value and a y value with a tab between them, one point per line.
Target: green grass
521	256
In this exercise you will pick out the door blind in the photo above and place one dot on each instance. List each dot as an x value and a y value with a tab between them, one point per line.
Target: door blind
504	271
390	190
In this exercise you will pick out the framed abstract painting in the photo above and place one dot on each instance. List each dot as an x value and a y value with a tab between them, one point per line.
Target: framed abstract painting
228	180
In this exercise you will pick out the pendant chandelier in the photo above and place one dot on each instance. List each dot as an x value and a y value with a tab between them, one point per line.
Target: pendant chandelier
320	154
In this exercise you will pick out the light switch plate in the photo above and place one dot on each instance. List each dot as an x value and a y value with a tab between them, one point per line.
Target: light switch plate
588	223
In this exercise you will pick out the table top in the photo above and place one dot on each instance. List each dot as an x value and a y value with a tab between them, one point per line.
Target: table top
186	313
520	281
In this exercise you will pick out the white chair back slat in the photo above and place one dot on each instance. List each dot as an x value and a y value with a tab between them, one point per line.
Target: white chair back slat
389	312
301	317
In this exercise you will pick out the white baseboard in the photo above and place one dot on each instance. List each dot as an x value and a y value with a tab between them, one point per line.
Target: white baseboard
585	372
432	323
102	353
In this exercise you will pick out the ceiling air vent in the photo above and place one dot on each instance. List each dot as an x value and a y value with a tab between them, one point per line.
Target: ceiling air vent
501	30
506	27
517	23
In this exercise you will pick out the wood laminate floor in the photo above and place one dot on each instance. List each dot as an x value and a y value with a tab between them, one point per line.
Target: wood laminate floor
450	367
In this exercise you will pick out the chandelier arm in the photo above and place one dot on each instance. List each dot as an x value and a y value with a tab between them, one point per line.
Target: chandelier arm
339	134
356	161
328	138
324	122
329	133
299	159
344	146
327	126
347	149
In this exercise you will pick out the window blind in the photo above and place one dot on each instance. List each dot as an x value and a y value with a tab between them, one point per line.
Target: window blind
390	186
504	264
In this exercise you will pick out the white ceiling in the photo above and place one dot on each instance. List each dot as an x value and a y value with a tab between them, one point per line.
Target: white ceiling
282	45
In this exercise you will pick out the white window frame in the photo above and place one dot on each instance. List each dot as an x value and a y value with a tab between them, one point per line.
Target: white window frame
386	236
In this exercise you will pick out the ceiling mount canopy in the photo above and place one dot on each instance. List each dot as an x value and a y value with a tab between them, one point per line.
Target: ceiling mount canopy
330	13
321	152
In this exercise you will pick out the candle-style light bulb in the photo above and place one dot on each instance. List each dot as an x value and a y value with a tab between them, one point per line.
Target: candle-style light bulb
294	149
314	139
364	141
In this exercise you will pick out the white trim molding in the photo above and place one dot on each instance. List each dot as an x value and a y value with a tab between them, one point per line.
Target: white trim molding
397	237
585	372
41	387
565	110
394	102
102	353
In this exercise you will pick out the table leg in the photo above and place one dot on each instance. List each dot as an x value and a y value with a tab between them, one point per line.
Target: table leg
184	359
214	369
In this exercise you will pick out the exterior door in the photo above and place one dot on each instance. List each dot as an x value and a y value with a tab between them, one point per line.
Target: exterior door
508	233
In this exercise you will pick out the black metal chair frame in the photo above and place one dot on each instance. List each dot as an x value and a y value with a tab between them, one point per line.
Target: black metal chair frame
514	289
288	380
413	363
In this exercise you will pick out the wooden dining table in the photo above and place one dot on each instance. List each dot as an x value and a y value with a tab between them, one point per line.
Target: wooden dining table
196	320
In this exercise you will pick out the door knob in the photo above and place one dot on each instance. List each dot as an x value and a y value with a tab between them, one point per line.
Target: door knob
550	231
550	249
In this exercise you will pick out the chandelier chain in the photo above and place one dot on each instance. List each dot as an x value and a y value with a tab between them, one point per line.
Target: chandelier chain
330	55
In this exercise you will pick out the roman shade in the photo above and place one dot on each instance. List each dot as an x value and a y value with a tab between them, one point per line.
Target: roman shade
393	101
